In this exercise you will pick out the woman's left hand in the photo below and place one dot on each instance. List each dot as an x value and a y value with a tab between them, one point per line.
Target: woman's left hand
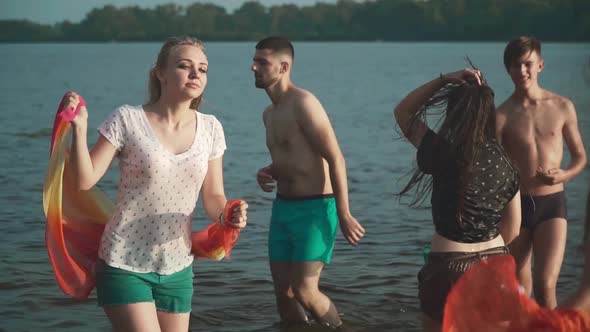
463	75
239	216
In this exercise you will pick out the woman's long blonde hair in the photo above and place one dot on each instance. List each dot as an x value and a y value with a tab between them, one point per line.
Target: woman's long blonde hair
154	84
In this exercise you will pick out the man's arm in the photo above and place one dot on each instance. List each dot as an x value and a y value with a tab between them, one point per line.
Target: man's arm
264	175
500	122
573	140
317	130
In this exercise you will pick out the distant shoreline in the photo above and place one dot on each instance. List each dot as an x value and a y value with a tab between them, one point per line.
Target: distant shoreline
576	42
345	20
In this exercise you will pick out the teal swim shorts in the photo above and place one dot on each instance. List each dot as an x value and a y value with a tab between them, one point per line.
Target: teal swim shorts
171	293
302	229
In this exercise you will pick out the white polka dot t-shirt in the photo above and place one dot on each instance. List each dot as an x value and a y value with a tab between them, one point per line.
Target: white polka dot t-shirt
158	190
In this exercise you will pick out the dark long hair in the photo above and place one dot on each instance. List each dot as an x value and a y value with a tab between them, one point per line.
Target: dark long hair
467	113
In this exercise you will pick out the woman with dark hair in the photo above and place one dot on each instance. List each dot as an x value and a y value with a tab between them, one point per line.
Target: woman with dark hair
474	186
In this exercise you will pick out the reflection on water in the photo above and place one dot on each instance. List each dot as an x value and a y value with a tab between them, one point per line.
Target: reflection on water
373	285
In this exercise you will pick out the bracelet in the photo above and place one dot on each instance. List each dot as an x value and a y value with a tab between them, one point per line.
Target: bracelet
220	219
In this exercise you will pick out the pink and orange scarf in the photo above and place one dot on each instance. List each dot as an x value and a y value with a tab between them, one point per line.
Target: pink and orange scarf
487	298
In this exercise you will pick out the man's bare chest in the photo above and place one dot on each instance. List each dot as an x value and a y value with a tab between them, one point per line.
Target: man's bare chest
282	129
533	126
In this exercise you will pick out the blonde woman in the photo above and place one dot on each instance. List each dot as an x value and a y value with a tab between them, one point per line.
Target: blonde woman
168	153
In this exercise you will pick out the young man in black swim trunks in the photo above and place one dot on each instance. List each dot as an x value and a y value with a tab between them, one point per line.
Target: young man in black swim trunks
532	125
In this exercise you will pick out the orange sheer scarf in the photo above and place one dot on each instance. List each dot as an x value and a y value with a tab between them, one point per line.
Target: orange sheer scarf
487	298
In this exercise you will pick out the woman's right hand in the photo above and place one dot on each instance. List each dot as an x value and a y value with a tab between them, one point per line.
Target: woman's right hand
462	76
81	120
239	216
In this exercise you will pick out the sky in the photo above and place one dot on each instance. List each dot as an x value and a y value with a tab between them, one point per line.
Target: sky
53	11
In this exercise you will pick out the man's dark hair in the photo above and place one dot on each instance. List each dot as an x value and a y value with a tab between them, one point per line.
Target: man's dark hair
518	47
277	44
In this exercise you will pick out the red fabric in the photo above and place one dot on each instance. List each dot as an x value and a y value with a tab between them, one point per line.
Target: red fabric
216	240
74	219
487	299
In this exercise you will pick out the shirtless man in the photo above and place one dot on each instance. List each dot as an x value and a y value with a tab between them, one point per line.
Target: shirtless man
312	190
532	125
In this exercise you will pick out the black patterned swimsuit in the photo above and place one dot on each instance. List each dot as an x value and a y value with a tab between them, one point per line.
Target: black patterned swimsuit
474	213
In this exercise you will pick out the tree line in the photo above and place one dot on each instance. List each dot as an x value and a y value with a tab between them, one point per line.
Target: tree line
385	20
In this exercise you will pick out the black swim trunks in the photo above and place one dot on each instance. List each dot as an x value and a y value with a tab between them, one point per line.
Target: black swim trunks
536	209
472	213
441	272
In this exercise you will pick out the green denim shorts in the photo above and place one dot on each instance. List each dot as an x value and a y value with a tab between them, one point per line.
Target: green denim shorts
171	293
